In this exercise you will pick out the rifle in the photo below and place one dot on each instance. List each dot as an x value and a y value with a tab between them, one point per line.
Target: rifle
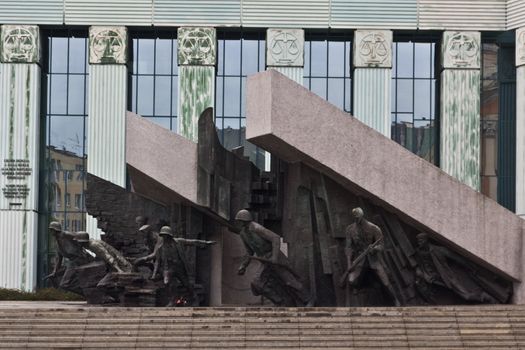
342	280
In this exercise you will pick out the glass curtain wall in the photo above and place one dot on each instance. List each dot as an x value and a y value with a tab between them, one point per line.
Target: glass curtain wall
327	67
154	77
239	54
414	96
64	129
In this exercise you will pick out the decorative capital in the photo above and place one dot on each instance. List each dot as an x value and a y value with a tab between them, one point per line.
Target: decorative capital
19	44
284	47
108	45
461	50
373	48
520	47
197	46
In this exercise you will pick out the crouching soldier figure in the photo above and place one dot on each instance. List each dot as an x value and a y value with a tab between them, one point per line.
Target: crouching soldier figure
69	248
170	259
105	252
275	280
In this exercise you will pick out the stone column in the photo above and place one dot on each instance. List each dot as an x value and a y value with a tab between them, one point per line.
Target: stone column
520	122
106	156
19	154
285	52
197	56
460	106
372	78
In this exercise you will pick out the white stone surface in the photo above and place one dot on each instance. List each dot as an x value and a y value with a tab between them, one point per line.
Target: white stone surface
197	46
19	44
520	47
284	47
108	45
461	50
373	48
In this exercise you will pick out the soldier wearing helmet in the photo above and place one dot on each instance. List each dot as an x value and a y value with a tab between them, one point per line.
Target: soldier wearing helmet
275	280
67	248
171	260
364	237
105	252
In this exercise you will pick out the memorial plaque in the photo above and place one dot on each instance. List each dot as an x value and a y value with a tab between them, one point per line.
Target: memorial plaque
14	175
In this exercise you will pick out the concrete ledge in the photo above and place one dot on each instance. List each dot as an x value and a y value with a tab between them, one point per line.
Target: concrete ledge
162	155
299	126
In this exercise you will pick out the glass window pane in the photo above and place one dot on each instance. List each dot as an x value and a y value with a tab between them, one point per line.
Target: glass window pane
422	60
76	94
336	92
145	95
232	60
174	96
232	96
336	59
422	99
77	55
163	58
58	55
162	96
219	110
319	59
67	134
319	86
405	60
405	95
58	94
145	53
250	57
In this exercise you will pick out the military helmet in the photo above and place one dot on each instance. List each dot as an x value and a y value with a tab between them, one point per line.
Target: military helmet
357	212
244	215
55	225
82	237
166	230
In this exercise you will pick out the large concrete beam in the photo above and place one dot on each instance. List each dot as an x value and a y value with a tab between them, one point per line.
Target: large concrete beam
298	126
161	155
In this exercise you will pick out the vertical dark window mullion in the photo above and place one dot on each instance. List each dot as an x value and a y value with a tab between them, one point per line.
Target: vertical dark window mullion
154	70
67	75
240	89
171	81
414	138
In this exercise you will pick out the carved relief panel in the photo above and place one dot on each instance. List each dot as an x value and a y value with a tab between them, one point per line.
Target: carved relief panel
461	50
373	48
197	46
108	45
520	47
19	44
285	48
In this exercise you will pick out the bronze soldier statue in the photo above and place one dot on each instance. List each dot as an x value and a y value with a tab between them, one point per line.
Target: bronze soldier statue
275	280
438	266
105	252
364	245
69	248
170	259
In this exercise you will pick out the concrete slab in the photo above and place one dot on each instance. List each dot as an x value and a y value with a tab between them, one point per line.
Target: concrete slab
162	155
298	126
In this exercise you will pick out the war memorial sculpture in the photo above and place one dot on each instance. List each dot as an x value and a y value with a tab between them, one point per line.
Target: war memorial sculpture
305	234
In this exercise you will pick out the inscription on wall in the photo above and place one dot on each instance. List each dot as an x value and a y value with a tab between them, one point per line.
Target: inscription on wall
15	170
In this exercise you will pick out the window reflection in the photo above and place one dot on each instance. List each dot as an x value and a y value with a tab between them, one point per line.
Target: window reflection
413	97
154	77
327	70
239	55
66	121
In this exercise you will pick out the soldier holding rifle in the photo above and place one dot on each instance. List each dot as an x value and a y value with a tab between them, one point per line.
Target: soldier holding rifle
364	243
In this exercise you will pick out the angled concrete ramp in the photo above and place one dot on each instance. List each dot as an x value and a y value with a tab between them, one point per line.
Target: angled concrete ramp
298	126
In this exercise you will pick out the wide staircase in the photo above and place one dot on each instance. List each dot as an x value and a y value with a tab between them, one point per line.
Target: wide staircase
83	327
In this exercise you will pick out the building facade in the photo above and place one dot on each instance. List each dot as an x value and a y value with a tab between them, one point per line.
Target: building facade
445	79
